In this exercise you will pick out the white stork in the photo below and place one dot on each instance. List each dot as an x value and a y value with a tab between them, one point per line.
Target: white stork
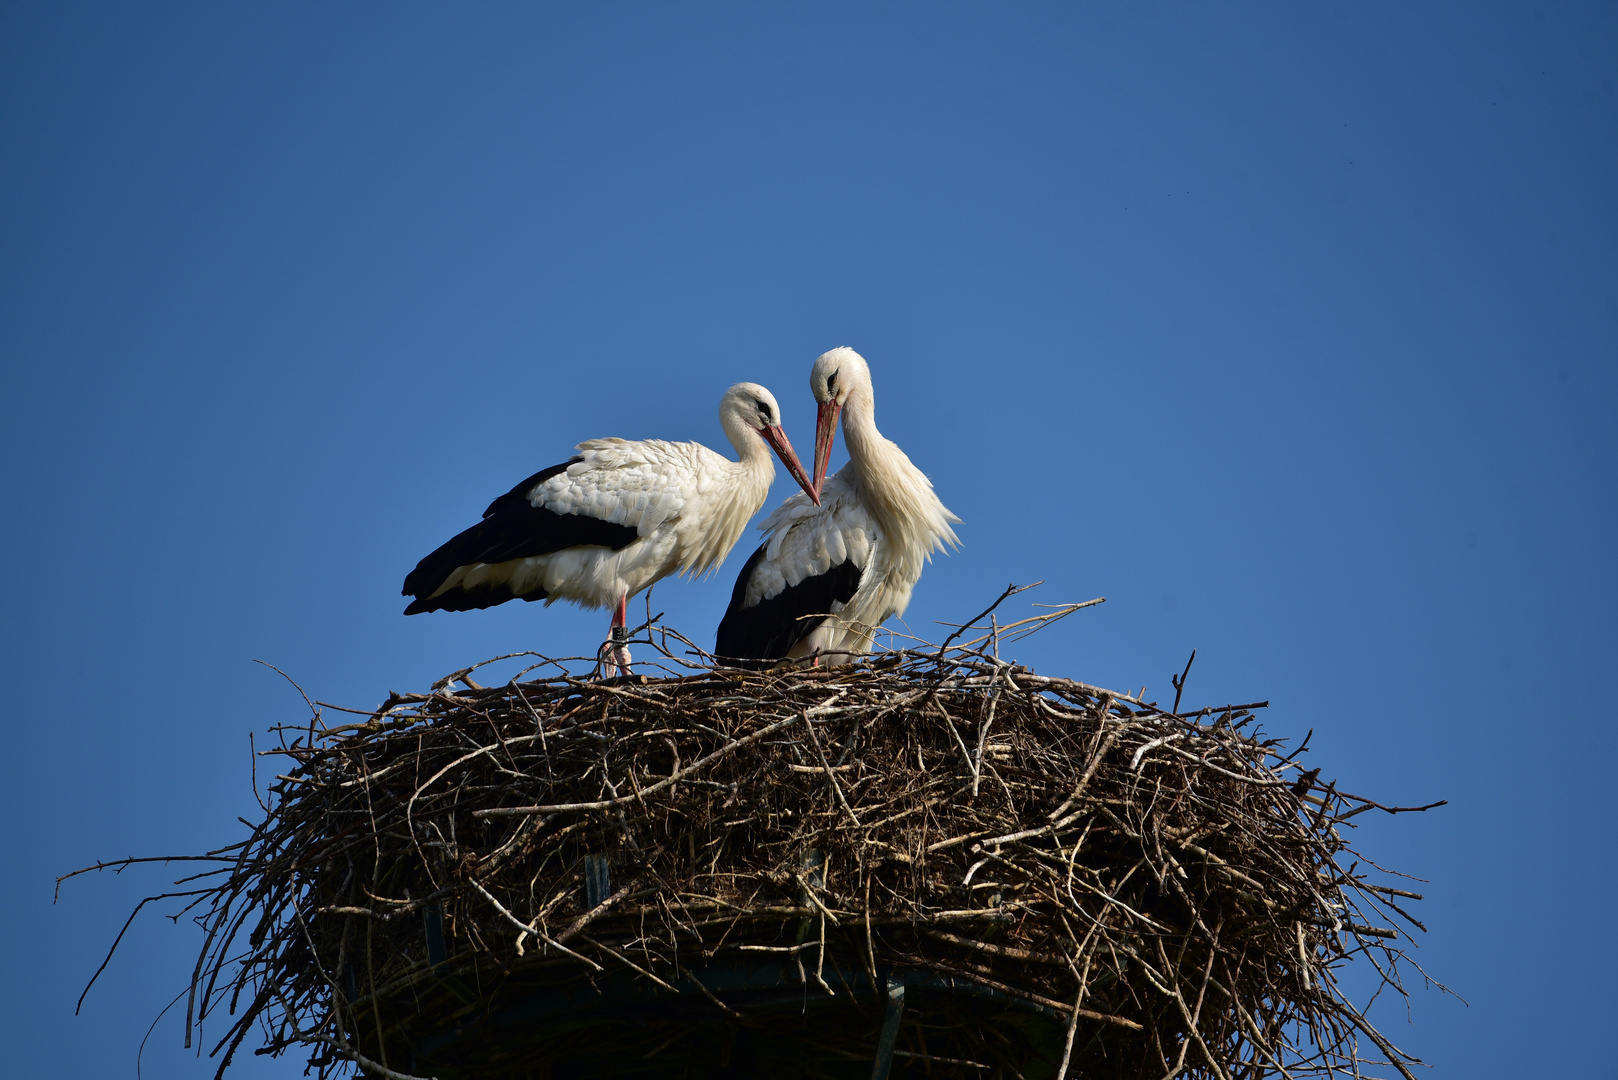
830	572
602	526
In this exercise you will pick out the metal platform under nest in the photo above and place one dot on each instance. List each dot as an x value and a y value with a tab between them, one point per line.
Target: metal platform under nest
754	1020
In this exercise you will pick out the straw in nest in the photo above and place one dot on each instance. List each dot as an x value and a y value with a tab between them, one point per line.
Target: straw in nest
935	859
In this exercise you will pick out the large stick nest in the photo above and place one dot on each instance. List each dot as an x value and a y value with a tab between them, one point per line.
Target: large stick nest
676	875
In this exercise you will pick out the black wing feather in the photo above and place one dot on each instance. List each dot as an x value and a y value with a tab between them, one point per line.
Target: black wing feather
770	628
512	528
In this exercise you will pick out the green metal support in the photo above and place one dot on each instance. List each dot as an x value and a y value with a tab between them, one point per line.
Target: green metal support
597	880
432	919
892	1013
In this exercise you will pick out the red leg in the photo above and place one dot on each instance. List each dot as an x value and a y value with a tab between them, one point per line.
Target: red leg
615	654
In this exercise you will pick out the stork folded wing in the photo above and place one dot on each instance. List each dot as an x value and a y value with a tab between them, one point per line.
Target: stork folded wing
771	627
512	528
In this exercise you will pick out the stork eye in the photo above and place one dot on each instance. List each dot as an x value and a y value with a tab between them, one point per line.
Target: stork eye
831	383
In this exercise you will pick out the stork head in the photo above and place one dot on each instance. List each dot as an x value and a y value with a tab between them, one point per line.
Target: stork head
835	376
750	406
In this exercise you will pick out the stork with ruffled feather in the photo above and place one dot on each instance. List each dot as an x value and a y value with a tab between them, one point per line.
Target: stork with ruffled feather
840	559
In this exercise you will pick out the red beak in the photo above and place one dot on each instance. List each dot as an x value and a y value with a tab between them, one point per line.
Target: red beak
783	450
825	432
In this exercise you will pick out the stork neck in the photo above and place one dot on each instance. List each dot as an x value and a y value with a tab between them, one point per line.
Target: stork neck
753	469
749	445
730	492
865	443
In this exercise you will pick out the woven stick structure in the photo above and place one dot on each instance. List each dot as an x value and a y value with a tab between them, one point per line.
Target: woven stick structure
932	862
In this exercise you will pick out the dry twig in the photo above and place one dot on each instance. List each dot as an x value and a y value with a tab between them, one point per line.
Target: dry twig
1148	881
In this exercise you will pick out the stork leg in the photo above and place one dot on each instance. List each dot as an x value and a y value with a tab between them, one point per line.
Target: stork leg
615	653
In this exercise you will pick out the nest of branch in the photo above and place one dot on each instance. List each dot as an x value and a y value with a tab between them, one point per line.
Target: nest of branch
933	860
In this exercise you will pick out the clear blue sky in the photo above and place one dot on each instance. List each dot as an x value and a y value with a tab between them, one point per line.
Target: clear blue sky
1289	328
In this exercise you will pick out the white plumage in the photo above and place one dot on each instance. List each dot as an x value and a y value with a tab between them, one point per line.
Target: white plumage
653	487
806	541
827	576
612	521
